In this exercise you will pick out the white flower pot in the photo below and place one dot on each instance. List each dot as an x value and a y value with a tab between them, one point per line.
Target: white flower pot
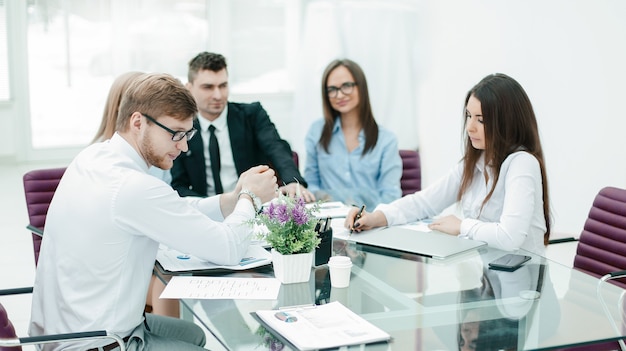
294	268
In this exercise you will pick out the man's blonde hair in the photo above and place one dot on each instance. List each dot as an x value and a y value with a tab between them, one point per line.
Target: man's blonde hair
156	94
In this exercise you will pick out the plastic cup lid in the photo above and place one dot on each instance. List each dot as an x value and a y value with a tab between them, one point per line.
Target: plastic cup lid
340	261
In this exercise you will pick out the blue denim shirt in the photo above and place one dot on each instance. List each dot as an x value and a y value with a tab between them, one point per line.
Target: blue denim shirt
351	177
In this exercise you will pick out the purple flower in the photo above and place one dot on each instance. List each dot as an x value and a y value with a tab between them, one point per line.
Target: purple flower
300	202
278	212
269	210
299	215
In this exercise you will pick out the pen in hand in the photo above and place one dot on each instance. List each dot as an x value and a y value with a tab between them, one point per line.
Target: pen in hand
356	218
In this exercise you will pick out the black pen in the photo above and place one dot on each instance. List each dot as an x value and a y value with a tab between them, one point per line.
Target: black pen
318	225
356	218
326	224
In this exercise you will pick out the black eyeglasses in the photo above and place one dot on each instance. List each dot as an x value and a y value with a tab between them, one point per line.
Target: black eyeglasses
346	89
176	135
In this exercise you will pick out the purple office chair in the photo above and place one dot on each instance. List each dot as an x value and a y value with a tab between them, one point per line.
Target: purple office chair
39	188
411	180
602	244
601	250
6	330
296	159
10	342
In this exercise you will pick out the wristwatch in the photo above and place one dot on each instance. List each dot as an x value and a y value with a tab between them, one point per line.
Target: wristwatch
256	202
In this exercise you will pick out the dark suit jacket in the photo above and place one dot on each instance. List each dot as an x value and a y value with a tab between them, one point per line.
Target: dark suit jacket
254	141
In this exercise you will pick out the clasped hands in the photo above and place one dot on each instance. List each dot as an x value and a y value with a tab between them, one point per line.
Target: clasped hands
261	180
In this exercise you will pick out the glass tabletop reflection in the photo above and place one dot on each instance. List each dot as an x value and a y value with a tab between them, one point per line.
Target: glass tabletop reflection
429	304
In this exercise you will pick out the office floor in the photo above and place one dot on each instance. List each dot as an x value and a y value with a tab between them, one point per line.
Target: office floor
16	253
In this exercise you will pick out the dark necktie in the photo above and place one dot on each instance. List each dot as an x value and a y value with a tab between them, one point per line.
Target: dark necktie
214	153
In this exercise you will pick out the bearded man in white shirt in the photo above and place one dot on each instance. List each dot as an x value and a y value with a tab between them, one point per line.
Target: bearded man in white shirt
108	217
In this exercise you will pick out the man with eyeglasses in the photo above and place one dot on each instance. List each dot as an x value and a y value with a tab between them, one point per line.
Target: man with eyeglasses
243	133
108	217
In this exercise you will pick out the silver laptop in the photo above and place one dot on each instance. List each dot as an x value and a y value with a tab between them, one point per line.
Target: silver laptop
429	244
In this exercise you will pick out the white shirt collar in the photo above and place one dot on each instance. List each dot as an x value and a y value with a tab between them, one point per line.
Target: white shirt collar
123	146
480	163
219	122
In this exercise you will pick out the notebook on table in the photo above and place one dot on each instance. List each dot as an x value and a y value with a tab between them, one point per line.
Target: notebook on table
429	244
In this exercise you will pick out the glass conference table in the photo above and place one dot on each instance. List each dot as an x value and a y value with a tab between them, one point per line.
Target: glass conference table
430	304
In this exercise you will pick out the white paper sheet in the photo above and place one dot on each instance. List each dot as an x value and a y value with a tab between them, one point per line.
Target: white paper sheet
332	209
221	288
339	231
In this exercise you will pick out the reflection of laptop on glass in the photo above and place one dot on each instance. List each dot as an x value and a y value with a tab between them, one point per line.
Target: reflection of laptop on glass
430	244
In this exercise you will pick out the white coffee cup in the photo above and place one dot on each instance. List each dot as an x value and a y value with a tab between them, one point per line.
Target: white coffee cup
340	268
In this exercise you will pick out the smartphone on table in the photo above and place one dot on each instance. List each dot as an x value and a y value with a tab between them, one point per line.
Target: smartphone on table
508	262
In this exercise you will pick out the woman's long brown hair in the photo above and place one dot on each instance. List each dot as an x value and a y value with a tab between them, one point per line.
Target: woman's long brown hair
112	105
510	125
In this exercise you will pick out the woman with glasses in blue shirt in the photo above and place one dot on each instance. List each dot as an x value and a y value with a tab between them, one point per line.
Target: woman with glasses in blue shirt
350	158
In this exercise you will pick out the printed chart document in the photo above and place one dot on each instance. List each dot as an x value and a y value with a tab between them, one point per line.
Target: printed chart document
221	288
176	261
320	327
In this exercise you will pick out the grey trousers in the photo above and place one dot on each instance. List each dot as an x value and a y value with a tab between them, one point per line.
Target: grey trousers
166	334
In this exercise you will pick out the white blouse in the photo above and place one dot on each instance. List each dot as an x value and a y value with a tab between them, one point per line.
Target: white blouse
513	217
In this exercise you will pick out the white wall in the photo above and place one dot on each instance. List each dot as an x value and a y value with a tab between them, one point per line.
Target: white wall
377	34
570	56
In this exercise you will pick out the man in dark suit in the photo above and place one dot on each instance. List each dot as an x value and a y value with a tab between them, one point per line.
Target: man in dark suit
243	134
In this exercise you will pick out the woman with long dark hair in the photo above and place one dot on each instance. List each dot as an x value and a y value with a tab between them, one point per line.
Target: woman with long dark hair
500	184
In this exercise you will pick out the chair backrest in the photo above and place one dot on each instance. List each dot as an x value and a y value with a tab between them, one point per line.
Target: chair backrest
7	331
602	244
411	180
39	188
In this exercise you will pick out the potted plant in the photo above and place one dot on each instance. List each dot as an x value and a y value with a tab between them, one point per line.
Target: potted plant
292	234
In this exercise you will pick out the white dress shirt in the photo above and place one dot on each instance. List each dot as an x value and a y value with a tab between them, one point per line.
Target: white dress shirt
102	232
511	219
228	172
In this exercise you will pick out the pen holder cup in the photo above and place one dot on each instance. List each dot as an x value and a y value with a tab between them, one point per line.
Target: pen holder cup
325	249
